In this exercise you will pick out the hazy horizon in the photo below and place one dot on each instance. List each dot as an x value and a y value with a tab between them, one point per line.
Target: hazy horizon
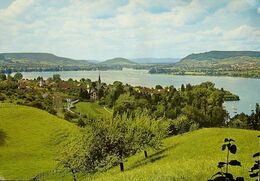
100	30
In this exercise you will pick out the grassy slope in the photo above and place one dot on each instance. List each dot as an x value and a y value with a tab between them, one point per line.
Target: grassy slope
192	156
32	139
92	110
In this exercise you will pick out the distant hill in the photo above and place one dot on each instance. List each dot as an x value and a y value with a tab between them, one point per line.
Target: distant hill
118	61
40	59
153	60
222	59
218	55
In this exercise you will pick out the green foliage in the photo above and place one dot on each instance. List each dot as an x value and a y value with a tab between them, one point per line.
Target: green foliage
149	132
2	76
18	76
124	103
239	121
158	87
247	121
181	124
56	77
69	115
108	142
194	126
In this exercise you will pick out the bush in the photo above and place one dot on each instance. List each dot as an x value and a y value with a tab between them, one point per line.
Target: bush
69	116
52	111
237	123
2	97
194	126
182	124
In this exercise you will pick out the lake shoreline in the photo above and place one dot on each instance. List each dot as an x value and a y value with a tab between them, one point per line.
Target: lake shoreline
246	88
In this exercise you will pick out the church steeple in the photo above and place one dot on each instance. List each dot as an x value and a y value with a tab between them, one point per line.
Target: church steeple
99	79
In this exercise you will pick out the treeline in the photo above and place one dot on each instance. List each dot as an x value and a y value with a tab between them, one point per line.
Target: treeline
13	89
245	121
207	71
189	107
40	68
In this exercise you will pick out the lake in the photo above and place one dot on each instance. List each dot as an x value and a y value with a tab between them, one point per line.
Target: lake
247	89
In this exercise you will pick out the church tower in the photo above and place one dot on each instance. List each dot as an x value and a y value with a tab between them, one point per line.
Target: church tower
99	81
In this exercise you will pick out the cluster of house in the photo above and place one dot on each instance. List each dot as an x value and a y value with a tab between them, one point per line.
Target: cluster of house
92	91
151	91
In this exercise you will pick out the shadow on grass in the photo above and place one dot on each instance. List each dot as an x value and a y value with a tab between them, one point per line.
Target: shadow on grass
3	137
152	158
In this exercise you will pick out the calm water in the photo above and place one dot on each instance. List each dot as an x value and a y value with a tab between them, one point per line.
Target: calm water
247	89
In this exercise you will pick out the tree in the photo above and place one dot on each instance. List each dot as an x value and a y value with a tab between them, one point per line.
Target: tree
188	87
225	175
158	87
105	143
150	132
2	76
182	88
124	103
18	76
239	121
254	120
180	125
56	77
121	136
74	154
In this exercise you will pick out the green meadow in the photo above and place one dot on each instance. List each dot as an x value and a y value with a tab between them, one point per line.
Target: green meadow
30	139
190	156
92	110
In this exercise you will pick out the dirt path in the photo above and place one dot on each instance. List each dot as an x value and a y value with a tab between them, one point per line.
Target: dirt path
110	112
71	105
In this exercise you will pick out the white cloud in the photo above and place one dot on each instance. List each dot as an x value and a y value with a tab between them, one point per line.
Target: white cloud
106	28
16	8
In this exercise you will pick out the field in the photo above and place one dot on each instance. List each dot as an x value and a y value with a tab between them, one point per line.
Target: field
29	140
191	156
92	110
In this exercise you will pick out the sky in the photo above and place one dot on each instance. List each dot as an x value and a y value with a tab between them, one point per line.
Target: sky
103	29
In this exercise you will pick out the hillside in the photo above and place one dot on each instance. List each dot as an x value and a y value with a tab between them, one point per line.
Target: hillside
218	55
118	61
30	138
39	58
192	156
152	60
